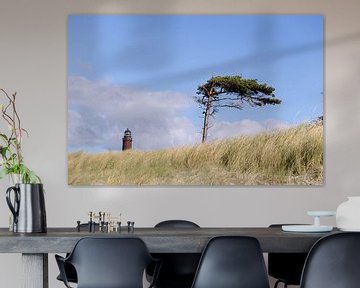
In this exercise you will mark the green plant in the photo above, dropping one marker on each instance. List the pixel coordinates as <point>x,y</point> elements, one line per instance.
<point>11,159</point>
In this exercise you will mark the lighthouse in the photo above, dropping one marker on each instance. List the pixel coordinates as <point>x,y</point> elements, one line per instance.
<point>127,140</point>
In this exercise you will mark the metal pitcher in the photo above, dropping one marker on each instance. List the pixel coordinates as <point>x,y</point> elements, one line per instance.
<point>27,207</point>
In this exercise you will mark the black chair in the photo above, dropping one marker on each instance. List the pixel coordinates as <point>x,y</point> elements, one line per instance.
<point>232,262</point>
<point>286,267</point>
<point>108,263</point>
<point>333,262</point>
<point>69,269</point>
<point>178,269</point>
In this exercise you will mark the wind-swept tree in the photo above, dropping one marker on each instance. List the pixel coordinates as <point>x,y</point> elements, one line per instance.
<point>231,92</point>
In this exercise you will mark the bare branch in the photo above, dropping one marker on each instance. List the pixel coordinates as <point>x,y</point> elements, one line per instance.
<point>230,106</point>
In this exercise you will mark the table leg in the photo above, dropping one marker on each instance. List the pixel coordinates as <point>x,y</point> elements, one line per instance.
<point>35,270</point>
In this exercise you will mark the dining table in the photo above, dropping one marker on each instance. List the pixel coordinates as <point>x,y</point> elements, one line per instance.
<point>35,247</point>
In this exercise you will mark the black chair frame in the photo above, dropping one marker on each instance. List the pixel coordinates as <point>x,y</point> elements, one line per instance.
<point>232,261</point>
<point>178,269</point>
<point>115,262</point>
<point>333,262</point>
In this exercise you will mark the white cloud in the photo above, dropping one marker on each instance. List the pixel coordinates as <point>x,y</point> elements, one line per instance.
<point>99,113</point>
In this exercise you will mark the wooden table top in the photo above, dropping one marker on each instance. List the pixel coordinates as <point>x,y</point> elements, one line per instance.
<point>158,240</point>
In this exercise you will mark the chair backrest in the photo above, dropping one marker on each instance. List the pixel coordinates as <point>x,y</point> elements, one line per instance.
<point>333,262</point>
<point>178,269</point>
<point>176,224</point>
<point>286,267</point>
<point>110,262</point>
<point>232,262</point>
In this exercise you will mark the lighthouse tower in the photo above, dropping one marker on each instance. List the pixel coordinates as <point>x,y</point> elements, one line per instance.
<point>127,140</point>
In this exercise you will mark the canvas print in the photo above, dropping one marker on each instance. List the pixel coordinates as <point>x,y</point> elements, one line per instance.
<point>195,100</point>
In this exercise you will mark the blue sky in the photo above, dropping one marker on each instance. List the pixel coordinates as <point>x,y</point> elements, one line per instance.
<point>143,71</point>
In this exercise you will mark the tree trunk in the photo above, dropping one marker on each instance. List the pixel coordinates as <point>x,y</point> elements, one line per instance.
<point>206,118</point>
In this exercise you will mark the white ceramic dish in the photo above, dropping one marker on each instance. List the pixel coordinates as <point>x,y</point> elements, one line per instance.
<point>306,228</point>
<point>321,213</point>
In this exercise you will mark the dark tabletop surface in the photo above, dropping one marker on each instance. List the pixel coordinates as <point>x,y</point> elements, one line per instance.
<point>158,240</point>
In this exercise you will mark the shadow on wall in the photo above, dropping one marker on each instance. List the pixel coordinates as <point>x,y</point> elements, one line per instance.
<point>267,59</point>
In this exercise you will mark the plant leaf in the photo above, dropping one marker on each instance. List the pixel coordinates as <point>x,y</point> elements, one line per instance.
<point>5,138</point>
<point>4,173</point>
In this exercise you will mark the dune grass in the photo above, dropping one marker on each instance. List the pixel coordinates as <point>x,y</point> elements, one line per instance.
<point>293,156</point>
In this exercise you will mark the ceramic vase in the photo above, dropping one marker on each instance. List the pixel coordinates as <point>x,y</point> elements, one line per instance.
<point>348,214</point>
<point>14,179</point>
<point>27,205</point>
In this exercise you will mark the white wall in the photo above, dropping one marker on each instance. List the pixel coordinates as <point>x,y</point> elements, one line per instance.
<point>33,57</point>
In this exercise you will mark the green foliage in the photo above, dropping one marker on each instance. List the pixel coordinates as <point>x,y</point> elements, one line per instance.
<point>27,176</point>
<point>11,159</point>
<point>232,92</point>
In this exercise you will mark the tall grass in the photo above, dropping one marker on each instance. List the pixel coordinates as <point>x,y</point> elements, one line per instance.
<point>292,156</point>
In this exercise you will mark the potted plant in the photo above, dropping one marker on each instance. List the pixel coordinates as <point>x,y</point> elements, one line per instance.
<point>25,197</point>
<point>11,159</point>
